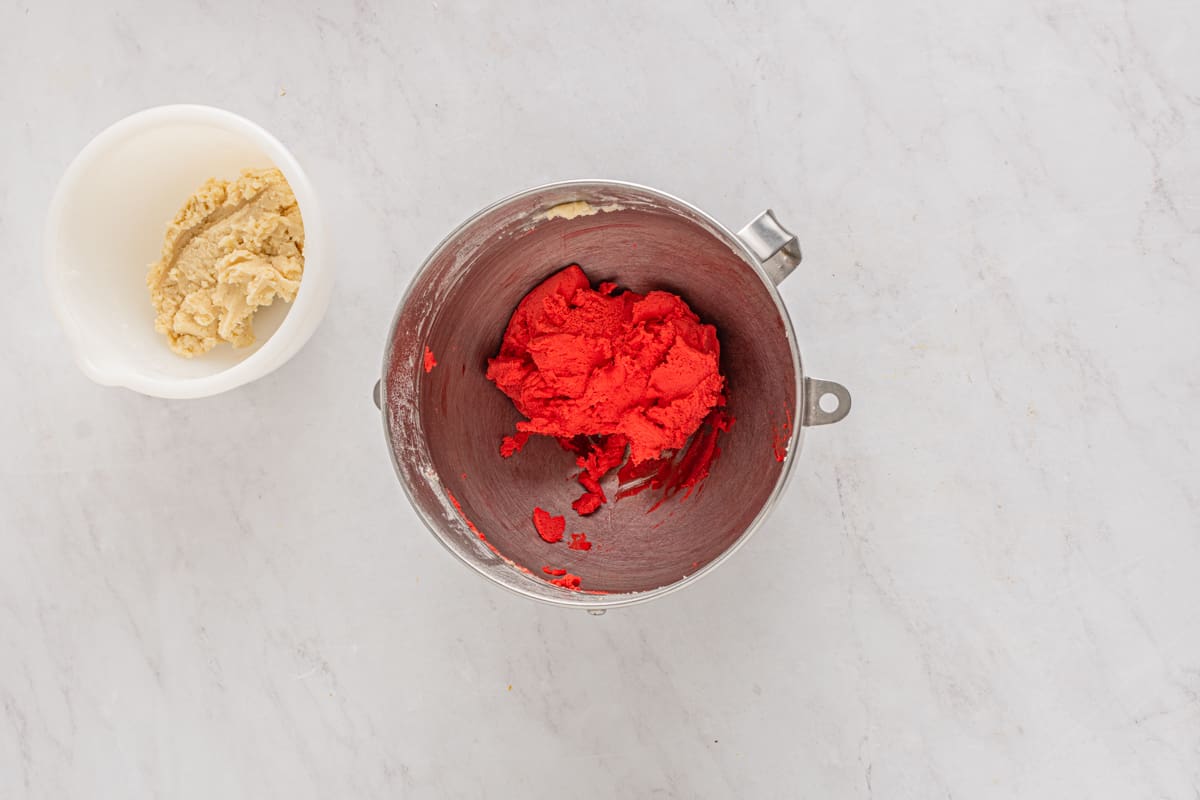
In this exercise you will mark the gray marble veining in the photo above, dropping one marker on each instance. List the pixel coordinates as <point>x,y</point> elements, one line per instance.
<point>982,584</point>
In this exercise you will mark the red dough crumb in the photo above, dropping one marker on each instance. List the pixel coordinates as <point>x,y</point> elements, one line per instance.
<point>552,571</point>
<point>596,463</point>
<point>513,444</point>
<point>608,372</point>
<point>579,541</point>
<point>430,361</point>
<point>588,503</point>
<point>568,581</point>
<point>549,527</point>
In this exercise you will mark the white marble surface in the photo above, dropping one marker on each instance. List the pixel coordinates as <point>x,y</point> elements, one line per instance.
<point>984,583</point>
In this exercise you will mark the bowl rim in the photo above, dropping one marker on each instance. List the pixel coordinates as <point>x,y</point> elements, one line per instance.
<point>279,346</point>
<point>598,603</point>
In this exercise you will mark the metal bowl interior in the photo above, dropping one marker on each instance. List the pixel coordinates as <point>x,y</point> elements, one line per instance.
<point>444,426</point>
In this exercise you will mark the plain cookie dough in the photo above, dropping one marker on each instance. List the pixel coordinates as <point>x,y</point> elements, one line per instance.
<point>234,247</point>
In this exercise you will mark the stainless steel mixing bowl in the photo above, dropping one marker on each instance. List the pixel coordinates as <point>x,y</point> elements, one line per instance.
<point>444,426</point>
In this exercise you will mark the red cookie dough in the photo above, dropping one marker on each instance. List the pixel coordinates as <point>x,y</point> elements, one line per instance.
<point>623,370</point>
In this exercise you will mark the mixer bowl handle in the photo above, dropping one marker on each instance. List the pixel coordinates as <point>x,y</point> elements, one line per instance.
<point>772,244</point>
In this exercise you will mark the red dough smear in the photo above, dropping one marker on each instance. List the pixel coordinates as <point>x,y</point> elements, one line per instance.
<point>579,541</point>
<point>430,361</point>
<point>549,527</point>
<point>471,525</point>
<point>684,471</point>
<point>782,437</point>
<point>458,507</point>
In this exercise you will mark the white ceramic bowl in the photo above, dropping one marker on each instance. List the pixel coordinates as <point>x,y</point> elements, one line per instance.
<point>106,225</point>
